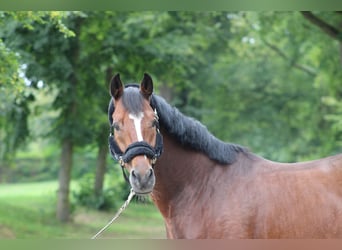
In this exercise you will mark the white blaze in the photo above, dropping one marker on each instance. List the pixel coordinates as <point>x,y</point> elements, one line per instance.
<point>137,124</point>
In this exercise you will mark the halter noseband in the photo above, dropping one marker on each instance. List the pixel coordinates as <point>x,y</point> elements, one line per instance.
<point>136,148</point>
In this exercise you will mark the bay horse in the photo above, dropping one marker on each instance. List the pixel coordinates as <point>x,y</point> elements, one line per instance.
<point>206,188</point>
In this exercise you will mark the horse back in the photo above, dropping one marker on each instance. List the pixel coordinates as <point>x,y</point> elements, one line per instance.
<point>288,200</point>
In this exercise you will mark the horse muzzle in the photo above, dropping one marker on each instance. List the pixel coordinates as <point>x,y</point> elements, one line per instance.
<point>142,179</point>
<point>140,157</point>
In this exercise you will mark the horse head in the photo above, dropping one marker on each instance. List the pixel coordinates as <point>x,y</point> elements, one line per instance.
<point>135,140</point>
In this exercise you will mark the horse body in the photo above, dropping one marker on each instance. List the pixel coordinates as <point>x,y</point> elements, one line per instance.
<point>251,198</point>
<point>205,188</point>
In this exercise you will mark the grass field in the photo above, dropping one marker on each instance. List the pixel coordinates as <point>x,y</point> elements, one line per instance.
<point>27,211</point>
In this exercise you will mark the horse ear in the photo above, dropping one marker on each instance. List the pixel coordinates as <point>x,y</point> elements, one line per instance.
<point>116,87</point>
<point>146,86</point>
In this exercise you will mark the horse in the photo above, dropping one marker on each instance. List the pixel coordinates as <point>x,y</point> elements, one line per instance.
<point>207,188</point>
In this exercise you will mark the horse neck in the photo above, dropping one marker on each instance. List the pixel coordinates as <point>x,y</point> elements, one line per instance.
<point>181,174</point>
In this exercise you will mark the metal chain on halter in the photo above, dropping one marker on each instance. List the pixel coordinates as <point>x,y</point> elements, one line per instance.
<point>130,196</point>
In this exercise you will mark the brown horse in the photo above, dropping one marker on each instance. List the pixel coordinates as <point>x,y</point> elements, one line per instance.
<point>205,188</point>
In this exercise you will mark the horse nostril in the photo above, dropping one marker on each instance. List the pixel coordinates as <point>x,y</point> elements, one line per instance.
<point>150,173</point>
<point>142,178</point>
<point>134,174</point>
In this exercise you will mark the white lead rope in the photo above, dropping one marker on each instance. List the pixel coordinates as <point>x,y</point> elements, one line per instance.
<point>131,194</point>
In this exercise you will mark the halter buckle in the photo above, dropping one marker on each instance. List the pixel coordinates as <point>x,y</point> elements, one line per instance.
<point>121,162</point>
<point>153,160</point>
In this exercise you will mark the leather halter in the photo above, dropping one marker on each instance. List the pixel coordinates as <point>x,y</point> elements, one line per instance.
<point>136,148</point>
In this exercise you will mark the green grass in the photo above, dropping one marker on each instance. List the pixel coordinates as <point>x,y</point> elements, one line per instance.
<point>27,211</point>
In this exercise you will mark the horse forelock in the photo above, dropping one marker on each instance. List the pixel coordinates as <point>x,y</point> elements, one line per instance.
<point>131,99</point>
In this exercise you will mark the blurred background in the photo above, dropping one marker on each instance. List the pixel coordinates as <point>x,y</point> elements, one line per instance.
<point>270,81</point>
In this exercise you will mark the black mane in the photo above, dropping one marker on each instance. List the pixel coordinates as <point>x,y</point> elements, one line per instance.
<point>188,131</point>
<point>192,133</point>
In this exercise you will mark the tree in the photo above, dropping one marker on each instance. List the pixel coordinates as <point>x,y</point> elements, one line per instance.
<point>53,58</point>
<point>275,76</point>
<point>331,25</point>
<point>15,95</point>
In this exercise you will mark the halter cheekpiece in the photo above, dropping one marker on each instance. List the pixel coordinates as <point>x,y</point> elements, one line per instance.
<point>136,148</point>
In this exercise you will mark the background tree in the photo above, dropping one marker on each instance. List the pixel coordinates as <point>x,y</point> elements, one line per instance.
<point>54,59</point>
<point>14,95</point>
<point>273,76</point>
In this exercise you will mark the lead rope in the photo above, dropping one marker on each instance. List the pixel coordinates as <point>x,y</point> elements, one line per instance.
<point>131,194</point>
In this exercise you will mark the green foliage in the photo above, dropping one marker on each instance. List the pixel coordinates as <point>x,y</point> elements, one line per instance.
<point>40,161</point>
<point>13,125</point>
<point>9,75</point>
<point>11,71</point>
<point>31,169</point>
<point>86,197</point>
<point>114,192</point>
<point>28,19</point>
<point>270,85</point>
<point>15,95</point>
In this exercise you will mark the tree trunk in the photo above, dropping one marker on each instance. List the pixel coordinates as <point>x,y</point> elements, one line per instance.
<point>70,111</point>
<point>100,168</point>
<point>63,205</point>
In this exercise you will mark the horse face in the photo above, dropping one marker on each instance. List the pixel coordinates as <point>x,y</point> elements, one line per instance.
<point>134,123</point>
